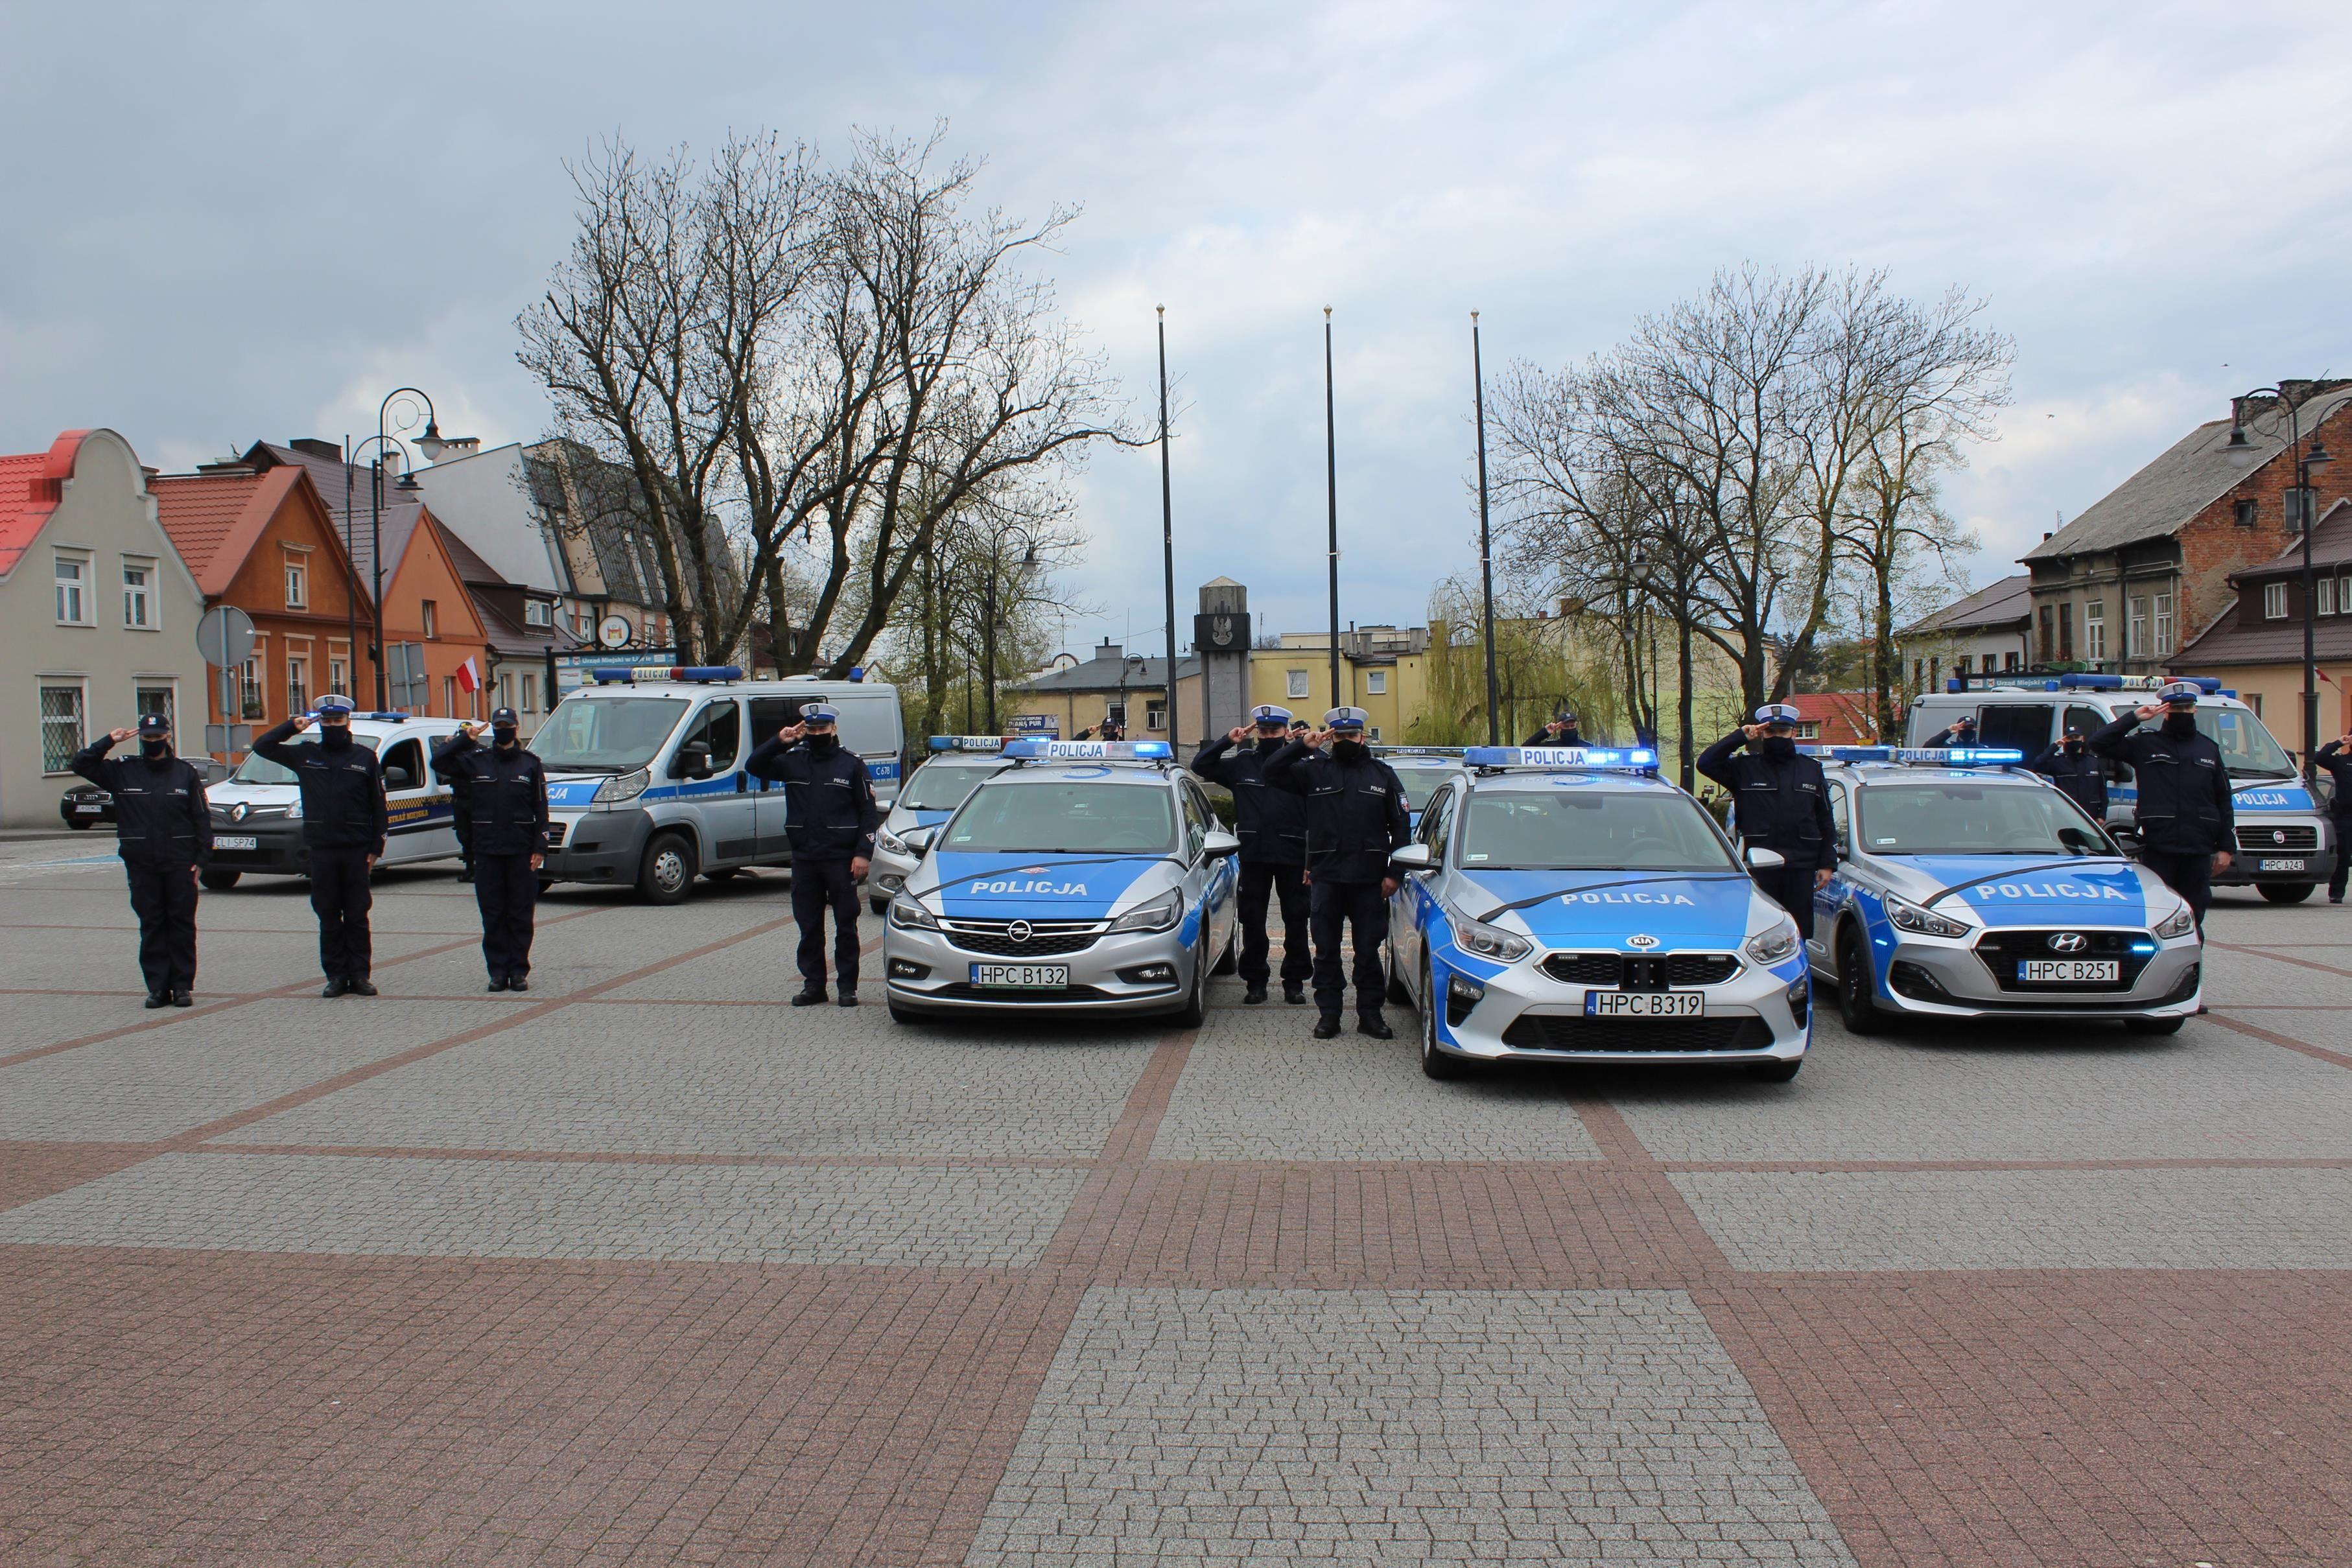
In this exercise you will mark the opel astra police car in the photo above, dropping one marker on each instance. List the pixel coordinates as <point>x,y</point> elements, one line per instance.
<point>1084,876</point>
<point>1567,905</point>
<point>957,764</point>
<point>1968,887</point>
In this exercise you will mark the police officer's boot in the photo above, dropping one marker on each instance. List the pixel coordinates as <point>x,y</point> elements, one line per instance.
<point>336,987</point>
<point>1374,1025</point>
<point>360,987</point>
<point>182,999</point>
<point>847,997</point>
<point>1255,994</point>
<point>808,996</point>
<point>158,999</point>
<point>1328,1027</point>
<point>1295,992</point>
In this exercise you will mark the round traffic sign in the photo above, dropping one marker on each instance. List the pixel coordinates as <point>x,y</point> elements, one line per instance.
<point>225,635</point>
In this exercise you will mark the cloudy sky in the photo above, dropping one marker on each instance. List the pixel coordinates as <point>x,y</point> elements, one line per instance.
<point>229,222</point>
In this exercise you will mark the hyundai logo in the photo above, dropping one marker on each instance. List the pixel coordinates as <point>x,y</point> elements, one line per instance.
<point>2068,942</point>
<point>1643,940</point>
<point>1018,931</point>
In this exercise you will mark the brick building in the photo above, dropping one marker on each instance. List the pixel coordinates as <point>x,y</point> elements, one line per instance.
<point>2146,570</point>
<point>2256,644</point>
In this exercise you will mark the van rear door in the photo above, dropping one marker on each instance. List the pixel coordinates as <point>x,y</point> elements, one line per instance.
<point>2021,726</point>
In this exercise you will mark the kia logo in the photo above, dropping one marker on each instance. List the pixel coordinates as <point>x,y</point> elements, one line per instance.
<point>1641,940</point>
<point>1018,931</point>
<point>2069,942</point>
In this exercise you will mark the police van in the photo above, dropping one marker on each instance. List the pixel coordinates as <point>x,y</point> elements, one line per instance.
<point>1084,876</point>
<point>957,764</point>
<point>1566,904</point>
<point>646,782</point>
<point>257,811</point>
<point>1968,887</point>
<point>2285,844</point>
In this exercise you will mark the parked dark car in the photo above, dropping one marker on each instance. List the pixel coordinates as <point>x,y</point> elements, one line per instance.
<point>85,804</point>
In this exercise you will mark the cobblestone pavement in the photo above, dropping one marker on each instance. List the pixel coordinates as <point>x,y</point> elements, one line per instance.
<point>643,1267</point>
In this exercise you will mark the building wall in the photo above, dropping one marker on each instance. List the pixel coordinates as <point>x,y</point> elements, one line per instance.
<point>104,517</point>
<point>315,634</point>
<point>424,574</point>
<point>2276,692</point>
<point>1392,710</point>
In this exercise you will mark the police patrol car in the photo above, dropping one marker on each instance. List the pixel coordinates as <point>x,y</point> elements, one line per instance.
<point>957,764</point>
<point>1084,876</point>
<point>1565,904</point>
<point>257,811</point>
<point>646,781</point>
<point>1420,769</point>
<point>2286,845</point>
<point>1968,887</point>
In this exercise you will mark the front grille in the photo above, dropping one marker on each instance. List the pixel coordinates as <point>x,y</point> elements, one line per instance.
<point>2271,840</point>
<point>962,992</point>
<point>1585,968</point>
<point>1047,938</point>
<point>1566,1031</point>
<point>2000,952</point>
<point>1608,969</point>
<point>555,832</point>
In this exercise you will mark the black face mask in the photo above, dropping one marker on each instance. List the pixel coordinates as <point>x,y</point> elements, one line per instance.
<point>335,736</point>
<point>2074,747</point>
<point>819,744</point>
<point>1571,736</point>
<point>154,750</point>
<point>2180,726</point>
<point>504,739</point>
<point>1348,751</point>
<point>1780,747</point>
<point>1273,743</point>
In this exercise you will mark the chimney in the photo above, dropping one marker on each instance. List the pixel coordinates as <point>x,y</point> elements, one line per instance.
<point>1111,651</point>
<point>329,450</point>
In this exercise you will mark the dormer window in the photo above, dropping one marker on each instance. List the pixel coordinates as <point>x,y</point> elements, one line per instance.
<point>2274,601</point>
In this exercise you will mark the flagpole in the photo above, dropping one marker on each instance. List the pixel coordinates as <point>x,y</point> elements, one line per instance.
<point>1486,540</point>
<point>1168,546</point>
<point>1331,492</point>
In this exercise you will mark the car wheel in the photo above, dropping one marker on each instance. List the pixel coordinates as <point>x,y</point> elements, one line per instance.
<point>1858,1005</point>
<point>1433,1061</point>
<point>2155,1026</point>
<point>219,881</point>
<point>668,874</point>
<point>1398,995</point>
<point>878,906</point>
<point>2286,892</point>
<point>1195,1011</point>
<point>1775,1071</point>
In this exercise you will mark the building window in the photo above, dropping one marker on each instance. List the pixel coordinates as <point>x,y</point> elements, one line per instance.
<point>337,678</point>
<point>1812,729</point>
<point>2047,619</point>
<point>248,691</point>
<point>1373,732</point>
<point>2323,594</point>
<point>297,684</point>
<point>2163,624</point>
<point>449,696</point>
<point>73,596</point>
<point>1155,716</point>
<point>1116,714</point>
<point>2009,660</point>
<point>431,613</point>
<point>538,613</point>
<point>2254,700</point>
<point>1918,674</point>
<point>2136,628</point>
<point>2296,498</point>
<point>530,694</point>
<point>62,719</point>
<point>1297,679</point>
<point>156,699</point>
<point>2274,601</point>
<point>297,585</point>
<point>2066,632</point>
<point>1376,682</point>
<point>139,595</point>
<point>2243,514</point>
<point>2095,630</point>
<point>505,690</point>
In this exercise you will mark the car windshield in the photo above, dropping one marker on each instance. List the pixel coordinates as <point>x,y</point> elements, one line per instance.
<point>1590,829</point>
<point>1959,819</point>
<point>2247,750</point>
<point>259,769</point>
<point>940,786</point>
<point>1421,781</point>
<point>1067,817</point>
<point>607,734</point>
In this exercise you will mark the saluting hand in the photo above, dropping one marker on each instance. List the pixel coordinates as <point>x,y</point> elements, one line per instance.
<point>1752,731</point>
<point>470,731</point>
<point>791,733</point>
<point>1555,728</point>
<point>1314,739</point>
<point>301,722</point>
<point>119,736</point>
<point>1238,734</point>
<point>2147,710</point>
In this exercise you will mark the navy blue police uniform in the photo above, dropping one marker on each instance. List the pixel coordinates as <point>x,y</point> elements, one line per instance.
<point>830,816</point>
<point>1356,819</point>
<point>1780,801</point>
<point>2337,763</point>
<point>501,794</point>
<point>164,835</point>
<point>343,825</point>
<point>1272,826</point>
<point>1569,733</point>
<point>2079,774</point>
<point>2184,815</point>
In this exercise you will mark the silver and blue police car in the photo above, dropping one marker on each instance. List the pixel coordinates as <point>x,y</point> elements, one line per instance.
<point>958,763</point>
<point>1968,887</point>
<point>1084,876</point>
<point>1568,904</point>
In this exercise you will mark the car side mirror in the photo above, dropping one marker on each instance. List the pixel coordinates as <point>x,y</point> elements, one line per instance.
<point>1218,845</point>
<point>691,761</point>
<point>397,779</point>
<point>1761,859</point>
<point>918,843</point>
<point>1413,857</point>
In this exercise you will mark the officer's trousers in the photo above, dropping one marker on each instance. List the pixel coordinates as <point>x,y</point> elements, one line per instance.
<point>2190,876</point>
<point>506,890</point>
<point>1287,884</point>
<point>1791,887</point>
<point>819,885</point>
<point>1362,905</point>
<point>463,825</point>
<point>165,898</point>
<point>341,897</point>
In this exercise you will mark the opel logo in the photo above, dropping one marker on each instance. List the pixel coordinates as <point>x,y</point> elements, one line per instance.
<point>236,813</point>
<point>2069,942</point>
<point>1018,931</point>
<point>1643,940</point>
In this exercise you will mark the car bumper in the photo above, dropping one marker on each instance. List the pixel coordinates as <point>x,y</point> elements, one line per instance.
<point>2252,867</point>
<point>278,848</point>
<point>927,972</point>
<point>888,873</point>
<point>1521,1014</point>
<point>597,846</point>
<point>71,811</point>
<point>1951,979</point>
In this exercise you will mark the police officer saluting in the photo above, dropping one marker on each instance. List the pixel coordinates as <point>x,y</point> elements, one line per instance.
<point>1780,801</point>
<point>1355,821</point>
<point>164,835</point>
<point>2081,777</point>
<point>343,823</point>
<point>1961,733</point>
<point>502,791</point>
<point>1563,730</point>
<point>830,816</point>
<point>2337,763</point>
<point>2185,816</point>
<point>1273,825</point>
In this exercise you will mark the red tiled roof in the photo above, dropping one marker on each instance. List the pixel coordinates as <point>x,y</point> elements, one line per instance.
<point>1847,712</point>
<point>214,518</point>
<point>31,486</point>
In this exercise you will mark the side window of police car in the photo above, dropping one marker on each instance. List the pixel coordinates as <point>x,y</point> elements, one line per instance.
<point>1437,820</point>
<point>1196,819</point>
<point>721,727</point>
<point>1838,818</point>
<point>409,757</point>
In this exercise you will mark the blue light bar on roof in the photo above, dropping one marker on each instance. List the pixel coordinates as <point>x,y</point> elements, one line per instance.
<point>614,674</point>
<point>1089,750</point>
<point>1450,751</point>
<point>967,743</point>
<point>1940,757</point>
<point>1637,759</point>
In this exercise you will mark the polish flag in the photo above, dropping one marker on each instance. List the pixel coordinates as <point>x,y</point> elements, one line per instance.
<point>469,678</point>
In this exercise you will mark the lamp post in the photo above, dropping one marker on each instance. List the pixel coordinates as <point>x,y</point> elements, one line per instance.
<point>1486,543</point>
<point>2306,460</point>
<point>1331,492</point>
<point>431,444</point>
<point>988,624</point>
<point>1168,541</point>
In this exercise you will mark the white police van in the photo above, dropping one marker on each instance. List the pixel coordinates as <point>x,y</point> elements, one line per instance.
<point>1565,904</point>
<point>646,782</point>
<point>2285,844</point>
<point>257,811</point>
<point>1085,876</point>
<point>958,763</point>
<point>1968,887</point>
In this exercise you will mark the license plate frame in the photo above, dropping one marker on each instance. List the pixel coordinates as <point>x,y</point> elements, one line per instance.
<point>2299,862</point>
<point>86,809</point>
<point>1033,977</point>
<point>235,841</point>
<point>1646,1004</point>
<point>2044,971</point>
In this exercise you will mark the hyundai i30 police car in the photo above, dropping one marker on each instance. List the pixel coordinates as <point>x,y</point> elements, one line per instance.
<point>1968,887</point>
<point>1568,904</point>
<point>1084,876</point>
<point>958,763</point>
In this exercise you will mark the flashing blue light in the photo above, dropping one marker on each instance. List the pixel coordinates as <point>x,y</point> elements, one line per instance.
<point>612,674</point>
<point>1089,750</point>
<point>2143,947</point>
<point>968,743</point>
<point>2089,683</point>
<point>856,672</point>
<point>1613,760</point>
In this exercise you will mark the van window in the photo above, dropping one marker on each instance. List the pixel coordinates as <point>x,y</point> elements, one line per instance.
<point>721,727</point>
<point>2024,726</point>
<point>408,754</point>
<point>608,734</point>
<point>770,714</point>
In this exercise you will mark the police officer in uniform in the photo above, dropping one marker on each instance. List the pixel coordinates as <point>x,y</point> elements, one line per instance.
<point>2081,777</point>
<point>2337,763</point>
<point>502,794</point>
<point>343,823</point>
<point>1563,730</point>
<point>1273,831</point>
<point>1961,733</point>
<point>461,820</point>
<point>1780,801</point>
<point>1106,730</point>
<point>164,835</point>
<point>831,818</point>
<point>1355,819</point>
<point>2185,816</point>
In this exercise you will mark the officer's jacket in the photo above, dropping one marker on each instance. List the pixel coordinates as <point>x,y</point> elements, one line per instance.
<point>1783,806</point>
<point>2337,763</point>
<point>342,790</point>
<point>1270,822</point>
<point>829,809</point>
<point>1545,737</point>
<point>2184,791</point>
<point>2082,778</point>
<point>159,807</point>
<point>503,793</point>
<point>1355,812</point>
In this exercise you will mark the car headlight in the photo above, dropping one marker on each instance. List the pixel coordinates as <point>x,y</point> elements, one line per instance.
<point>622,787</point>
<point>1161,914</point>
<point>889,843</point>
<point>1921,922</point>
<point>1771,945</point>
<point>910,915</point>
<point>2179,923</point>
<point>1482,940</point>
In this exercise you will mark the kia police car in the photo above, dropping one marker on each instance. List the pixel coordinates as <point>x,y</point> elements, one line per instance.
<point>958,764</point>
<point>1565,904</point>
<point>1968,887</point>
<point>1085,876</point>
